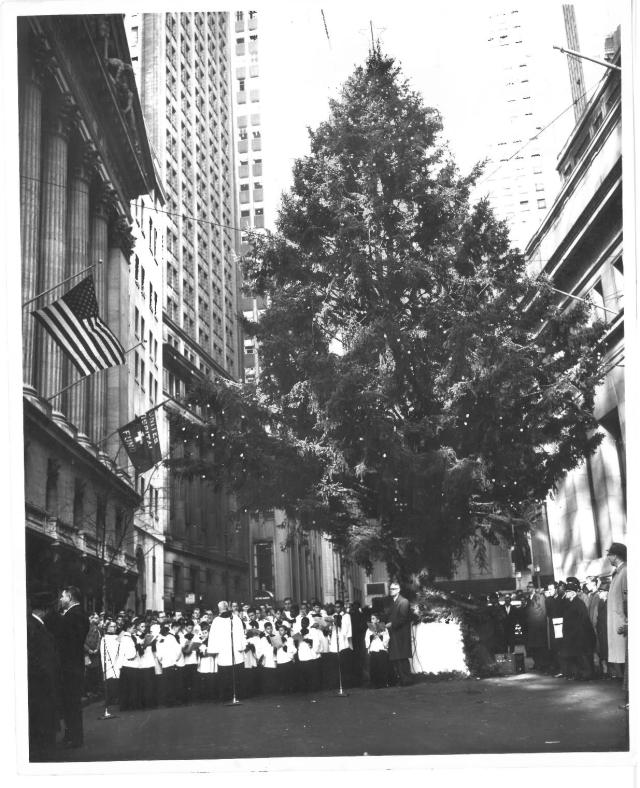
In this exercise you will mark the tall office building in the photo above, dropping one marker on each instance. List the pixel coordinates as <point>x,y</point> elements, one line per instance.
<point>183,63</point>
<point>522,180</point>
<point>284,561</point>
<point>248,134</point>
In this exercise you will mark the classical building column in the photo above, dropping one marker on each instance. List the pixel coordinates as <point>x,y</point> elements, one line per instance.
<point>53,247</point>
<point>82,164</point>
<point>30,108</point>
<point>96,388</point>
<point>119,394</point>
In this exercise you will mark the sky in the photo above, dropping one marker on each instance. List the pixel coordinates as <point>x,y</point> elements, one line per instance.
<point>442,48</point>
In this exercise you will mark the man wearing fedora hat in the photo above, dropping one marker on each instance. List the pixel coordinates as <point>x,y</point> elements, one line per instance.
<point>617,609</point>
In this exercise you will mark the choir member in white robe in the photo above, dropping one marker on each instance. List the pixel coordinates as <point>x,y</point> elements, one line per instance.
<point>207,667</point>
<point>285,657</point>
<point>267,667</point>
<point>110,662</point>
<point>169,650</point>
<point>376,642</point>
<point>128,680</point>
<point>190,645</point>
<point>227,642</point>
<point>309,646</point>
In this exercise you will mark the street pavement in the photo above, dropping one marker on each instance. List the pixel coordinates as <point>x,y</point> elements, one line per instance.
<point>525,713</point>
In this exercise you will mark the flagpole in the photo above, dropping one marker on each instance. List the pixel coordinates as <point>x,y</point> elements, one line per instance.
<point>84,377</point>
<point>64,282</point>
<point>115,432</point>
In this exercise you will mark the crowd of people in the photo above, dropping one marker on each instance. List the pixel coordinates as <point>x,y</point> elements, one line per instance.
<point>571,629</point>
<point>236,651</point>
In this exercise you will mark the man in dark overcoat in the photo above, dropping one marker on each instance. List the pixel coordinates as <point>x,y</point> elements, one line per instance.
<point>42,673</point>
<point>71,630</point>
<point>535,628</point>
<point>578,635</point>
<point>399,627</point>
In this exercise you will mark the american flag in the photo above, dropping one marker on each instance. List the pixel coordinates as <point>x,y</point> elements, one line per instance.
<point>74,323</point>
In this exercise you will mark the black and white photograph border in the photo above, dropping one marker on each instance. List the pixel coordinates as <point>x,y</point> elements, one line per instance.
<point>458,700</point>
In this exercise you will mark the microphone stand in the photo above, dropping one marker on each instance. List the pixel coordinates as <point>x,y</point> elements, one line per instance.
<point>106,715</point>
<point>234,701</point>
<point>340,693</point>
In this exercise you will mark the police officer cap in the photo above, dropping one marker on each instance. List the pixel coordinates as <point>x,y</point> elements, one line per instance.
<point>573,584</point>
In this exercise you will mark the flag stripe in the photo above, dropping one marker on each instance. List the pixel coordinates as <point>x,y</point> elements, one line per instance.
<point>74,323</point>
<point>94,349</point>
<point>100,328</point>
<point>59,332</point>
<point>116,349</point>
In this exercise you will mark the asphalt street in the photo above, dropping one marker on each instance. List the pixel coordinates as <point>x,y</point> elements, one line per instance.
<point>524,713</point>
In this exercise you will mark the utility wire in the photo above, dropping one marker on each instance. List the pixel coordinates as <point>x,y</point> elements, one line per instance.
<point>535,137</point>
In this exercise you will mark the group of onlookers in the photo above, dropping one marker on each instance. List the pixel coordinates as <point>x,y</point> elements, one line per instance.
<point>572,629</point>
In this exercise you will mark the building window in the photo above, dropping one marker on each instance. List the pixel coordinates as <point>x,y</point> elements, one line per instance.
<point>78,504</point>
<point>153,569</point>
<point>263,566</point>
<point>177,578</point>
<point>542,203</point>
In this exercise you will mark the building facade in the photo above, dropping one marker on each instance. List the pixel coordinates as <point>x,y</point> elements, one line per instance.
<point>285,561</point>
<point>146,274</point>
<point>521,179</point>
<point>184,66</point>
<point>579,247</point>
<point>84,156</point>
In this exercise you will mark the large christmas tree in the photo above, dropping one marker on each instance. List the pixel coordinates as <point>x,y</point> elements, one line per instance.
<point>420,389</point>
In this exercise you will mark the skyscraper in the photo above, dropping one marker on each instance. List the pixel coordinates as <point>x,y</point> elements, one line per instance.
<point>248,133</point>
<point>521,180</point>
<point>184,71</point>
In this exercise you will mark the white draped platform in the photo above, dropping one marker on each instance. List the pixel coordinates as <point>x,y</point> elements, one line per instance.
<point>437,648</point>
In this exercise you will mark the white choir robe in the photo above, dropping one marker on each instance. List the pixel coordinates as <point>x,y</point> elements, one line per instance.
<point>169,652</point>
<point>282,656</point>
<point>340,640</point>
<point>207,662</point>
<point>128,653</point>
<point>154,630</point>
<point>220,641</point>
<point>267,651</point>
<point>307,653</point>
<point>323,640</point>
<point>373,643</point>
<point>192,658</point>
<point>110,656</point>
<point>251,659</point>
<point>147,659</point>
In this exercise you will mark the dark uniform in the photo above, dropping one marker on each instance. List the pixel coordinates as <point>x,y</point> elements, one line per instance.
<point>42,675</point>
<point>400,639</point>
<point>71,631</point>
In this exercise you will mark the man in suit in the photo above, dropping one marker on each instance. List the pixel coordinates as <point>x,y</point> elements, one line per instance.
<point>71,631</point>
<point>42,674</point>
<point>399,627</point>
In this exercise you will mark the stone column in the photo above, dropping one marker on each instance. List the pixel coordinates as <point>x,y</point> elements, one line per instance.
<point>53,245</point>
<point>82,163</point>
<point>30,109</point>
<point>101,201</point>
<point>119,396</point>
